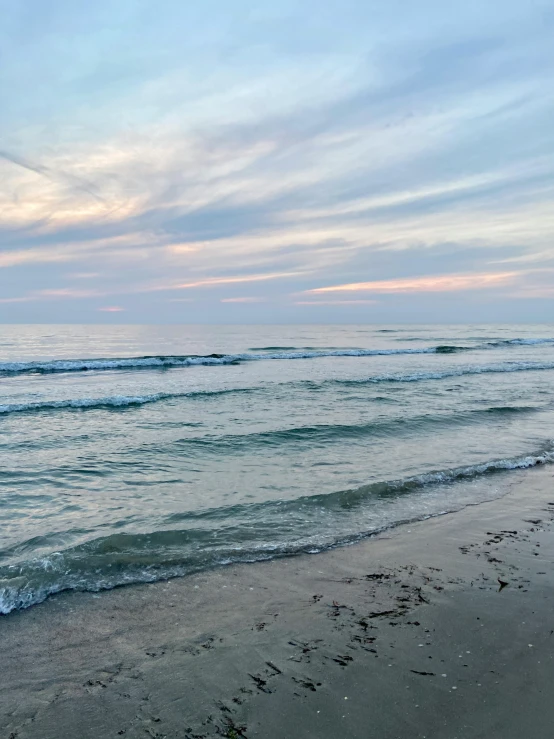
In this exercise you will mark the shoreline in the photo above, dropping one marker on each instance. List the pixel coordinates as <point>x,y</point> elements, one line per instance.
<point>70,577</point>
<point>410,633</point>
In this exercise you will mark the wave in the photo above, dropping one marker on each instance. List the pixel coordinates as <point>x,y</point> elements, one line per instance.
<point>486,342</point>
<point>122,402</point>
<point>209,445</point>
<point>311,435</point>
<point>295,348</point>
<point>117,402</point>
<point>221,536</point>
<point>329,433</point>
<point>256,354</point>
<point>520,342</point>
<point>175,361</point>
<point>115,363</point>
<point>451,349</point>
<point>349,498</point>
<point>452,372</point>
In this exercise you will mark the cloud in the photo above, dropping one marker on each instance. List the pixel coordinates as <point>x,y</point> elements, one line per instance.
<point>20,299</point>
<point>439,283</point>
<point>36,256</point>
<point>231,280</point>
<point>406,151</point>
<point>69,180</point>
<point>241,300</point>
<point>68,292</point>
<point>63,293</point>
<point>335,302</point>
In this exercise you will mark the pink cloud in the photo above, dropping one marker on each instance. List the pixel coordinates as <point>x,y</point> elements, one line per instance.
<point>438,283</point>
<point>241,300</point>
<point>209,281</point>
<point>336,302</point>
<point>68,292</point>
<point>22,299</point>
<point>63,292</point>
<point>83,275</point>
<point>112,309</point>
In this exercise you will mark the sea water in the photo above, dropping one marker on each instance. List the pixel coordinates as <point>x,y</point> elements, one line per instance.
<point>137,453</point>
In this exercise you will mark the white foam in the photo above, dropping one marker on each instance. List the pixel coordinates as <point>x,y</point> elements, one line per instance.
<point>514,463</point>
<point>169,361</point>
<point>84,365</point>
<point>115,401</point>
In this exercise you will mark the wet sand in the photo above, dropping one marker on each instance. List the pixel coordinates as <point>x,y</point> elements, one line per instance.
<point>442,629</point>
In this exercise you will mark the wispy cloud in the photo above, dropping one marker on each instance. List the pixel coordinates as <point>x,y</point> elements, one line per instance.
<point>68,292</point>
<point>232,280</point>
<point>335,302</point>
<point>69,180</point>
<point>380,153</point>
<point>241,300</point>
<point>63,293</point>
<point>19,299</point>
<point>439,283</point>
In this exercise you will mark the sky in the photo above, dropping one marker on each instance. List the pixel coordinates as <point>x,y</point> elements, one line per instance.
<point>253,162</point>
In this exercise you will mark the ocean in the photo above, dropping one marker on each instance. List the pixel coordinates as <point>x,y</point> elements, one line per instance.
<point>137,453</point>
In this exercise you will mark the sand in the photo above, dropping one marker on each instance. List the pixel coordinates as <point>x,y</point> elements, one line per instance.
<point>442,629</point>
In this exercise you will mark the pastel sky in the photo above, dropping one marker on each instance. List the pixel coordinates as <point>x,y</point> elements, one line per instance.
<point>315,161</point>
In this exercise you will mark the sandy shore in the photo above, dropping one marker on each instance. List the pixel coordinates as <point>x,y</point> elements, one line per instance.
<point>439,630</point>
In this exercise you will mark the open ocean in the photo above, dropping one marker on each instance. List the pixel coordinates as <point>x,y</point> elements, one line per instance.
<point>137,453</point>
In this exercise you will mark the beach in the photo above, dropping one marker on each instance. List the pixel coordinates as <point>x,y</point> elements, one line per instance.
<point>276,370</point>
<point>441,629</point>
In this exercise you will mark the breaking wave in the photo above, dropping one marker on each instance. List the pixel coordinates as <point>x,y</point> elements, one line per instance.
<point>121,402</point>
<point>194,541</point>
<point>174,361</point>
<point>257,354</point>
<point>115,402</point>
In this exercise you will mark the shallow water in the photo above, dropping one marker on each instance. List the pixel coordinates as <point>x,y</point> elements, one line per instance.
<point>134,453</point>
